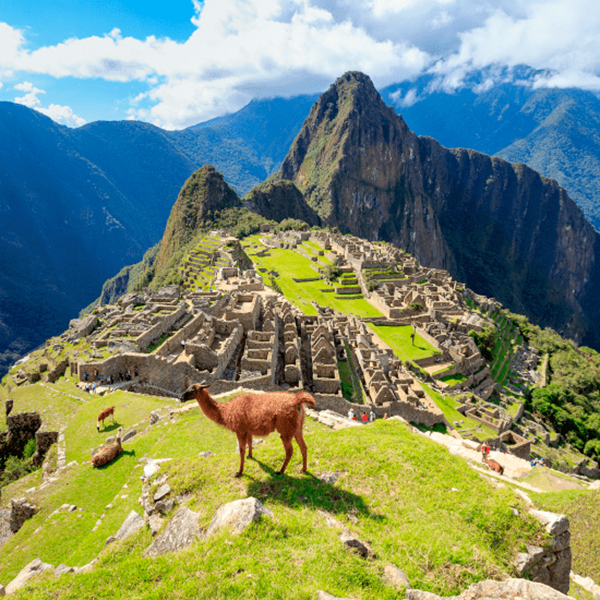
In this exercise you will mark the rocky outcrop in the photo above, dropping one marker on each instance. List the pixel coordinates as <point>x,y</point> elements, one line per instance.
<point>497,590</point>
<point>503,229</point>
<point>238,515</point>
<point>180,532</point>
<point>281,200</point>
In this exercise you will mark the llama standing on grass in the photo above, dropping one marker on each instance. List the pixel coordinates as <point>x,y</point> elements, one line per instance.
<point>107,412</point>
<point>248,415</point>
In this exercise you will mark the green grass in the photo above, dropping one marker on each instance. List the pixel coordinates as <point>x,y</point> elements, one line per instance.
<point>301,294</point>
<point>453,379</point>
<point>346,378</point>
<point>448,406</point>
<point>399,340</point>
<point>395,483</point>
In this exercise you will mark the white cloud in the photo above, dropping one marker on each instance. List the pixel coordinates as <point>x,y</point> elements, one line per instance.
<point>60,114</point>
<point>244,48</point>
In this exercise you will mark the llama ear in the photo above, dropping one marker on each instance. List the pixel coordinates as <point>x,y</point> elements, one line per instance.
<point>203,386</point>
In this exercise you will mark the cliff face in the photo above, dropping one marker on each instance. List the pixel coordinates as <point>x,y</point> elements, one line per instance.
<point>500,227</point>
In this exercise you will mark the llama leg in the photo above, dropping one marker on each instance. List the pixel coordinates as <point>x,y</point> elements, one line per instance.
<point>249,440</point>
<point>302,444</point>
<point>289,450</point>
<point>242,446</point>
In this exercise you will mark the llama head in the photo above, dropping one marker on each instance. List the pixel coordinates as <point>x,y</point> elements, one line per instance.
<point>192,392</point>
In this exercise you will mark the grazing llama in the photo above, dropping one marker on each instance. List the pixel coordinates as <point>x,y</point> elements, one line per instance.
<point>248,415</point>
<point>110,411</point>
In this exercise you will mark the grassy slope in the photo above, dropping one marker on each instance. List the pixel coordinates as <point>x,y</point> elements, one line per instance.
<point>399,340</point>
<point>396,483</point>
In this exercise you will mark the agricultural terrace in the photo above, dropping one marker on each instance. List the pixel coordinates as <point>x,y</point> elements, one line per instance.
<point>290,265</point>
<point>399,340</point>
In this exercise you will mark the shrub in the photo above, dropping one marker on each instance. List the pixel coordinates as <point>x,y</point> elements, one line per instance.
<point>29,448</point>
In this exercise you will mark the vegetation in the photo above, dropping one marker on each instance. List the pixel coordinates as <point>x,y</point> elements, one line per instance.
<point>485,341</point>
<point>442,541</point>
<point>399,340</point>
<point>292,225</point>
<point>571,402</point>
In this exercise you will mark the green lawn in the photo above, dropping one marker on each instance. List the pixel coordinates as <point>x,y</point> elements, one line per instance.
<point>398,339</point>
<point>394,487</point>
<point>453,379</point>
<point>448,406</point>
<point>290,265</point>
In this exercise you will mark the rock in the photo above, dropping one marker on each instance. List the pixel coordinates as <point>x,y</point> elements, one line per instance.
<point>62,570</point>
<point>130,434</point>
<point>396,577</point>
<point>321,595</point>
<point>131,524</point>
<point>238,515</point>
<point>154,417</point>
<point>497,590</point>
<point>206,454</point>
<point>86,568</point>
<point>155,522</point>
<point>162,491</point>
<point>561,542</point>
<point>180,532</point>
<point>35,567</point>
<point>20,511</point>
<point>595,485</point>
<point>330,521</point>
<point>150,468</point>
<point>560,570</point>
<point>356,545</point>
<point>555,524</point>
<point>165,506</point>
<point>523,562</point>
<point>329,478</point>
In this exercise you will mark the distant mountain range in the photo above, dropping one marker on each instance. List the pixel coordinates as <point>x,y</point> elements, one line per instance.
<point>77,205</point>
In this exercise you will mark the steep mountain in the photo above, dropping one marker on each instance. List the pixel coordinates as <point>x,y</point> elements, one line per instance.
<point>500,227</point>
<point>78,205</point>
<point>554,131</point>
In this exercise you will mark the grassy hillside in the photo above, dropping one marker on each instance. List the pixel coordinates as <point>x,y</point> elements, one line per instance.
<point>419,507</point>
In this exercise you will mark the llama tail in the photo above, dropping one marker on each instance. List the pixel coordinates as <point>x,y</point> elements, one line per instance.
<point>304,398</point>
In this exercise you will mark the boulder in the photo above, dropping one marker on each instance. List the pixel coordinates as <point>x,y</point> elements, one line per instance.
<point>321,595</point>
<point>353,543</point>
<point>180,532</point>
<point>497,590</point>
<point>238,515</point>
<point>35,567</point>
<point>162,491</point>
<point>555,524</point>
<point>131,524</point>
<point>62,570</point>
<point>396,577</point>
<point>129,435</point>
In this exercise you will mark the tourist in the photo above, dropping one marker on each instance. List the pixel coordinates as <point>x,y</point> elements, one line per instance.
<point>87,388</point>
<point>135,371</point>
<point>365,418</point>
<point>351,414</point>
<point>85,376</point>
<point>412,338</point>
<point>385,416</point>
<point>372,416</point>
<point>485,451</point>
<point>94,388</point>
<point>95,373</point>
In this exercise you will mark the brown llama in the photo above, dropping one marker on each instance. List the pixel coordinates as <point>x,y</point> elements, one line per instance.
<point>109,452</point>
<point>110,411</point>
<point>494,466</point>
<point>248,415</point>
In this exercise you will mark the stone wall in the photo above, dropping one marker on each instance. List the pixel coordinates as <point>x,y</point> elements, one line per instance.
<point>410,413</point>
<point>173,344</point>
<point>551,565</point>
<point>165,324</point>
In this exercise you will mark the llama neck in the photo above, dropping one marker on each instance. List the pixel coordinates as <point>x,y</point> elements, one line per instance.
<point>209,407</point>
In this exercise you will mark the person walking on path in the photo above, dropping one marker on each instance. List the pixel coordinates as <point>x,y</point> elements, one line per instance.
<point>94,388</point>
<point>372,416</point>
<point>351,414</point>
<point>485,452</point>
<point>412,338</point>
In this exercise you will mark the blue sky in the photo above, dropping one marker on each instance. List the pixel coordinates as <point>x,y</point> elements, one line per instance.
<point>180,62</point>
